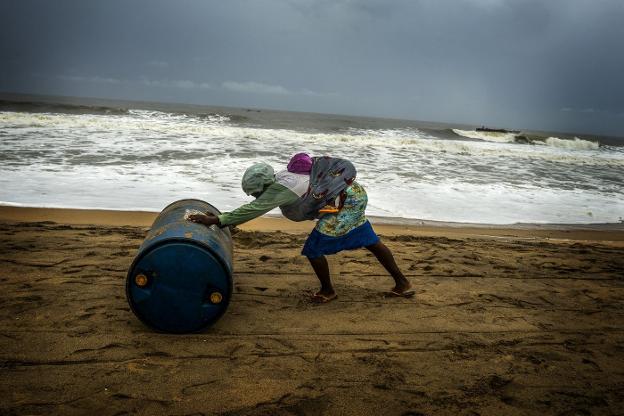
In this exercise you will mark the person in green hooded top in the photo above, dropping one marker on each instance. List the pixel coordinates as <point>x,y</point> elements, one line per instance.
<point>344,229</point>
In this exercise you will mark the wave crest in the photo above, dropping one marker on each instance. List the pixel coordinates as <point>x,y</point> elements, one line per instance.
<point>487,136</point>
<point>576,144</point>
<point>496,137</point>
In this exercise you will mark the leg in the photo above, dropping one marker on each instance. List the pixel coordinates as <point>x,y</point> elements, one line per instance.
<point>321,268</point>
<point>385,257</point>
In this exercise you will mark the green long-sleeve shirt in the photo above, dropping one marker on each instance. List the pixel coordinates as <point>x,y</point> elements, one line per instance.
<point>274,196</point>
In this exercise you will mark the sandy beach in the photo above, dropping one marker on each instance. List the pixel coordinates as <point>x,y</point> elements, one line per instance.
<point>506,321</point>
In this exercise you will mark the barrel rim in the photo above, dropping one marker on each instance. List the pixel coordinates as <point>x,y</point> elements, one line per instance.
<point>189,199</point>
<point>159,243</point>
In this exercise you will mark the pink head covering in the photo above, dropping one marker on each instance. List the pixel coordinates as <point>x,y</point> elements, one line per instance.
<point>300,163</point>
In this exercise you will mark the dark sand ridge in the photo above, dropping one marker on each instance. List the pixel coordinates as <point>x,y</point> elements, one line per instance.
<point>515,323</point>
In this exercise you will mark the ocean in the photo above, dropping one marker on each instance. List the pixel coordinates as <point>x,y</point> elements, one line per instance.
<point>79,153</point>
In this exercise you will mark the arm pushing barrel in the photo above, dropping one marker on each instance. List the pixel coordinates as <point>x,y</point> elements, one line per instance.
<point>272,197</point>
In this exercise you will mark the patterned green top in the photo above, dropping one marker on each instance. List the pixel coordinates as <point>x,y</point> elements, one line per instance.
<point>349,217</point>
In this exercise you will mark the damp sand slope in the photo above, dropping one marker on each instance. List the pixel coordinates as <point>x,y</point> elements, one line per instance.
<point>500,325</point>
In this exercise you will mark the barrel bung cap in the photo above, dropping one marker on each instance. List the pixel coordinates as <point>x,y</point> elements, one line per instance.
<point>141,280</point>
<point>216,297</point>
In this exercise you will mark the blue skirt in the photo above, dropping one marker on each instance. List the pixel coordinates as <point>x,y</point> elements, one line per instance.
<point>319,244</point>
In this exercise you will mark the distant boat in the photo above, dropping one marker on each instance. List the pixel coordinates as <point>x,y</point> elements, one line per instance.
<point>483,128</point>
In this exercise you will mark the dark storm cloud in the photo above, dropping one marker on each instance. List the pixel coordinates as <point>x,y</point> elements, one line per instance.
<point>519,63</point>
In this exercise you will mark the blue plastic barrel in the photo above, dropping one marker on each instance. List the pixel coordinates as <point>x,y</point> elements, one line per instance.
<point>181,279</point>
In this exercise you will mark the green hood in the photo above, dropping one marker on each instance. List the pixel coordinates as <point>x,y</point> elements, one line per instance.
<point>257,177</point>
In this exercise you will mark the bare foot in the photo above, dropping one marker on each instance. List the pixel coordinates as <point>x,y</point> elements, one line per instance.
<point>403,290</point>
<point>322,297</point>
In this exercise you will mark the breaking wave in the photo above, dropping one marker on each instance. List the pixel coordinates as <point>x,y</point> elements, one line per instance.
<point>191,130</point>
<point>576,144</point>
<point>487,136</point>
<point>501,137</point>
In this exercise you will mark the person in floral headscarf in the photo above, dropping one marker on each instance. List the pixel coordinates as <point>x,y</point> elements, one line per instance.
<point>343,228</point>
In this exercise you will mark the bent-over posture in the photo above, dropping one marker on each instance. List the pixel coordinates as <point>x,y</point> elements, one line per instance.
<point>346,229</point>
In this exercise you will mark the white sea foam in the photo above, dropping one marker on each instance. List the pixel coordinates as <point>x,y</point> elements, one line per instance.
<point>146,159</point>
<point>458,201</point>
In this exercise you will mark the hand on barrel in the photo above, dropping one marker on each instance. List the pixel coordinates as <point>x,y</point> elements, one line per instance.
<point>207,219</point>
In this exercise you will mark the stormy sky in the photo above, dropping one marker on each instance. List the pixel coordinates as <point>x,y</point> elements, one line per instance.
<point>530,64</point>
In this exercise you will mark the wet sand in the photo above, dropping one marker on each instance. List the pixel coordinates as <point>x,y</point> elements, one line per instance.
<point>505,322</point>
